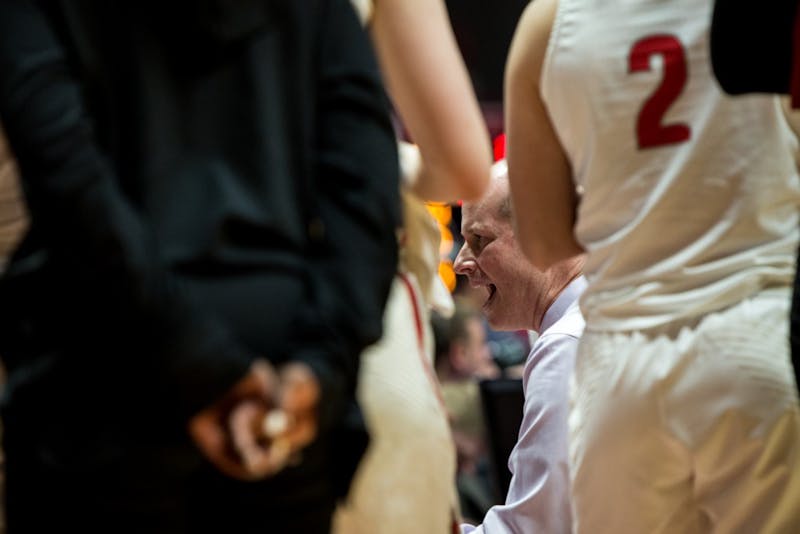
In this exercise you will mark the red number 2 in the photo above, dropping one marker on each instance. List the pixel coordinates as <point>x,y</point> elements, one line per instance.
<point>650,132</point>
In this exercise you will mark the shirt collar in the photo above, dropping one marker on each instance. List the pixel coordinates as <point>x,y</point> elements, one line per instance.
<point>565,299</point>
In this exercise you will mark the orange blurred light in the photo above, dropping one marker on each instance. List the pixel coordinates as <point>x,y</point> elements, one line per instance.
<point>447,274</point>
<point>443,214</point>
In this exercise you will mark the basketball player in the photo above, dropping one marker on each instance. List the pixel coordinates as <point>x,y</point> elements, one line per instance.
<point>685,415</point>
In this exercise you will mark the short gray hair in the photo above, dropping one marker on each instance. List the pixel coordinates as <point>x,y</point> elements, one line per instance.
<point>500,172</point>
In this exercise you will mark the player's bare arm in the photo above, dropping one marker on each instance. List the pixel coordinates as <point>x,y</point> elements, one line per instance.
<point>431,89</point>
<point>542,191</point>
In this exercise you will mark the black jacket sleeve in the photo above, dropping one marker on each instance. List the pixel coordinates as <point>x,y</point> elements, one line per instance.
<point>85,219</point>
<point>356,178</point>
<point>82,216</point>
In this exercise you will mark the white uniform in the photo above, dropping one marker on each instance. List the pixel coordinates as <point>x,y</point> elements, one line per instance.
<point>406,480</point>
<point>685,414</point>
<point>680,227</point>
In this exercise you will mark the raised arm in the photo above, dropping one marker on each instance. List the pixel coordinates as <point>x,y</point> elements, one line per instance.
<point>542,191</point>
<point>430,87</point>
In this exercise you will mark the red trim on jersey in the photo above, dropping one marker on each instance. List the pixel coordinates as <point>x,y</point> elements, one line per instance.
<point>426,364</point>
<point>417,318</point>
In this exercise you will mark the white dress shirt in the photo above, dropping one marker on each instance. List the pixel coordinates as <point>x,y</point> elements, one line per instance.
<point>538,497</point>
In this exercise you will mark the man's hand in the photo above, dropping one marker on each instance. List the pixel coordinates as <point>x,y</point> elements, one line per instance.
<point>209,428</point>
<point>299,397</point>
<point>233,433</point>
<point>268,441</point>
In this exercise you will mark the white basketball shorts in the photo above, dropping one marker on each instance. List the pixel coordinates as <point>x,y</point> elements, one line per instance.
<point>694,431</point>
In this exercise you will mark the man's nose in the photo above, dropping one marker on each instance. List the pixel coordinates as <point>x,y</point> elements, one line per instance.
<point>464,262</point>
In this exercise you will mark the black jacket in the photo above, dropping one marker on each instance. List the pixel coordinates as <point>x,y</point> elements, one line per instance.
<point>170,149</point>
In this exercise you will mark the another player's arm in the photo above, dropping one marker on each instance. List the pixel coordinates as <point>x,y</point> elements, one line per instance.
<point>542,191</point>
<point>430,87</point>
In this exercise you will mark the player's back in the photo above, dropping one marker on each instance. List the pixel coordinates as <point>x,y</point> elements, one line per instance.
<point>690,198</point>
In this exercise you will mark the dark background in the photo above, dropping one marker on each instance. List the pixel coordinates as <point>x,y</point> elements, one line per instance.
<point>483,30</point>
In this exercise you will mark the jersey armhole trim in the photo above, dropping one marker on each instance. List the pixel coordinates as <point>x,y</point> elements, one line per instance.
<point>552,40</point>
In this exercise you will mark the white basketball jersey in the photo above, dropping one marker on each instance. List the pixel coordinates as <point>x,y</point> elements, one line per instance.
<point>689,197</point>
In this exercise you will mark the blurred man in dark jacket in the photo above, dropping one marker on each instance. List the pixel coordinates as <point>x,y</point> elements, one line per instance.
<point>212,188</point>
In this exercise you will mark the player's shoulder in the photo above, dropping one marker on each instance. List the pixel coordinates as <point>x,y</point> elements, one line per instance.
<point>539,14</point>
<point>531,37</point>
<point>537,19</point>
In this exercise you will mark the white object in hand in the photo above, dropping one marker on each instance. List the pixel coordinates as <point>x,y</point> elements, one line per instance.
<point>276,422</point>
<point>410,163</point>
